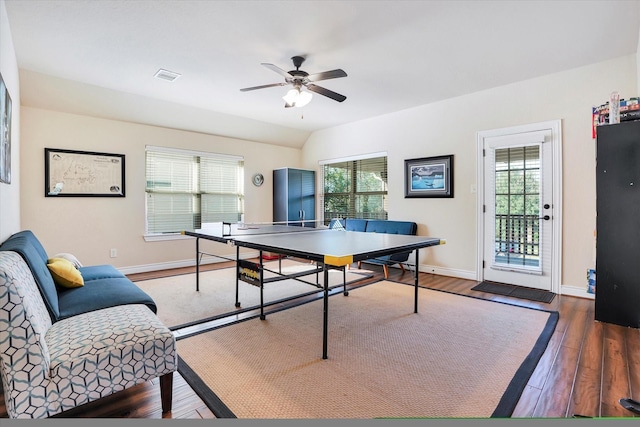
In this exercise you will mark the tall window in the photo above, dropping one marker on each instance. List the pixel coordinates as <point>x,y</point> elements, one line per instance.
<point>355,189</point>
<point>186,188</point>
<point>517,211</point>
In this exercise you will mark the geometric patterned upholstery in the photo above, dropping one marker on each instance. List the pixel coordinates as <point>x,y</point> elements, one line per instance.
<point>49,368</point>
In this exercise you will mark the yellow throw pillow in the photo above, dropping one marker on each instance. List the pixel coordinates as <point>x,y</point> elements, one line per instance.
<point>65,273</point>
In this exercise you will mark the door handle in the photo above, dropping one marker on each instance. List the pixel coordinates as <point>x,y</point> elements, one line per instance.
<point>546,217</point>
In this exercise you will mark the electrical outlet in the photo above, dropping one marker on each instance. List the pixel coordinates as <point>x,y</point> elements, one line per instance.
<point>113,253</point>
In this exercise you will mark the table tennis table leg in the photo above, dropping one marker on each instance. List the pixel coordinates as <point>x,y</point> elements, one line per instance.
<point>415,304</point>
<point>237,277</point>
<point>325,324</point>
<point>197,264</point>
<point>262,316</point>
<point>344,281</point>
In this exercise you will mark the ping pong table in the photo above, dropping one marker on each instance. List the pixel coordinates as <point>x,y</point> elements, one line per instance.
<point>328,248</point>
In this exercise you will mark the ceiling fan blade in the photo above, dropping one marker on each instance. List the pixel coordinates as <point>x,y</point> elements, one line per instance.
<point>333,74</point>
<point>278,70</point>
<point>326,92</point>
<point>262,87</point>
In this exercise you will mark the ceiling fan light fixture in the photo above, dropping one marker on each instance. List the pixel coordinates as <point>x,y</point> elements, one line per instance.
<point>291,97</point>
<point>304,98</point>
<point>297,98</point>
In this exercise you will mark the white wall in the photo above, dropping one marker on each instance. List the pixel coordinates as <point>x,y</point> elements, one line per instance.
<point>450,127</point>
<point>90,226</point>
<point>10,193</point>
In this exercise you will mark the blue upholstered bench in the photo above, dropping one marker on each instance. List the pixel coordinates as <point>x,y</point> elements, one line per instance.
<point>380,226</point>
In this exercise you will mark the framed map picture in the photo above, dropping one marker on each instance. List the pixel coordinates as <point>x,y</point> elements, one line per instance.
<point>70,173</point>
<point>5,133</point>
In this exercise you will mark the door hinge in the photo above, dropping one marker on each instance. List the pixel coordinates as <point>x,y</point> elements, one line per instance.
<point>484,153</point>
<point>484,208</point>
<point>483,264</point>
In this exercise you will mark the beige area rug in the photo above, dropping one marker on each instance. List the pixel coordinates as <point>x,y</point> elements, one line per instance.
<point>179,304</point>
<point>457,357</point>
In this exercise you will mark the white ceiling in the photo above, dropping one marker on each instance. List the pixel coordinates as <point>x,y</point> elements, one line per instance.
<point>99,57</point>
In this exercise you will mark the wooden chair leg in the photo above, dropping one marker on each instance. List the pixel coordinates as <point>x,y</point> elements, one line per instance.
<point>402,267</point>
<point>359,264</point>
<point>386,271</point>
<point>166,391</point>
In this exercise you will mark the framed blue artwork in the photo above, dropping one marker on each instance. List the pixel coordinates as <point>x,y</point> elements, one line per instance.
<point>428,177</point>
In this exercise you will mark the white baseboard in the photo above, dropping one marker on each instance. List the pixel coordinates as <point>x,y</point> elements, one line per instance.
<point>576,291</point>
<point>181,264</point>
<point>451,272</point>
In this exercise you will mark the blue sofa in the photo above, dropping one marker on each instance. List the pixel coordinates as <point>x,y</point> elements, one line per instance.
<point>380,226</point>
<point>104,286</point>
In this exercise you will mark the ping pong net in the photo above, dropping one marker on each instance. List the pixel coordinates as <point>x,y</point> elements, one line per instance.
<point>230,229</point>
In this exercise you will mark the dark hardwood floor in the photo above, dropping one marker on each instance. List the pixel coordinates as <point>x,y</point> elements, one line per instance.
<point>587,367</point>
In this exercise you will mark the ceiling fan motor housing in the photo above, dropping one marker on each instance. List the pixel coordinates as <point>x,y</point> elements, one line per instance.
<point>297,61</point>
<point>298,74</point>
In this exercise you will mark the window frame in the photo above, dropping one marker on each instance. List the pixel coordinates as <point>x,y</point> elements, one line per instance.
<point>198,192</point>
<point>354,193</point>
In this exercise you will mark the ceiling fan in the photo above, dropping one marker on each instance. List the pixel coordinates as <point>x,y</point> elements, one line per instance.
<point>296,97</point>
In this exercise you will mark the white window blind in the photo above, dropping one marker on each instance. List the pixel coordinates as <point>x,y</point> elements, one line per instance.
<point>185,189</point>
<point>355,189</point>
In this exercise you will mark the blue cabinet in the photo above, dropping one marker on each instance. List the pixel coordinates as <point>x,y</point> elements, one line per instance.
<point>294,199</point>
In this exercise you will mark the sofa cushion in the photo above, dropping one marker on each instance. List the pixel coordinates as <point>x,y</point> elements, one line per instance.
<point>355,224</point>
<point>105,271</point>
<point>70,257</point>
<point>101,293</point>
<point>64,273</point>
<point>391,227</point>
<point>27,245</point>
<point>96,354</point>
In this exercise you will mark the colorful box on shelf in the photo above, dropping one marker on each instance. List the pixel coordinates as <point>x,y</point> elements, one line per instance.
<point>629,110</point>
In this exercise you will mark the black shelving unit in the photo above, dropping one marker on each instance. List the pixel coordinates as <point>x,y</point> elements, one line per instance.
<point>617,294</point>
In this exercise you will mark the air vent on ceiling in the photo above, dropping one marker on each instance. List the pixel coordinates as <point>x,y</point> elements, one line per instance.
<point>166,75</point>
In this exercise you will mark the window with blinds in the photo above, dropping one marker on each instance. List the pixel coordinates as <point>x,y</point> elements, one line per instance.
<point>517,206</point>
<point>355,189</point>
<point>185,189</point>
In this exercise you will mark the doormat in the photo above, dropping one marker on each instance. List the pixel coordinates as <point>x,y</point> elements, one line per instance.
<point>515,291</point>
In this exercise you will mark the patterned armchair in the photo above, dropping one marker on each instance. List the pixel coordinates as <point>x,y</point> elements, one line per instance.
<point>48,368</point>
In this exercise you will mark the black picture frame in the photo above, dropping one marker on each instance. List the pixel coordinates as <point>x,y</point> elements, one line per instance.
<point>428,177</point>
<point>71,173</point>
<point>5,133</point>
